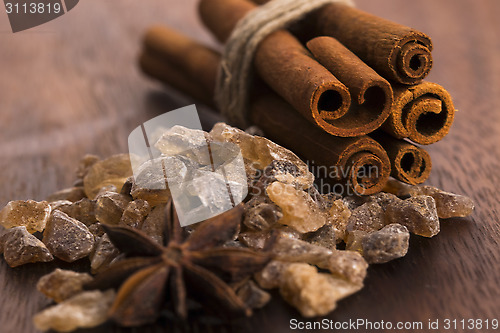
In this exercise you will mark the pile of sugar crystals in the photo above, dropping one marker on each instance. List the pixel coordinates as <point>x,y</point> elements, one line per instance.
<point>322,244</point>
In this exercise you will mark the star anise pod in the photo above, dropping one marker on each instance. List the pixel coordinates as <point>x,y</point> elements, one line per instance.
<point>153,275</point>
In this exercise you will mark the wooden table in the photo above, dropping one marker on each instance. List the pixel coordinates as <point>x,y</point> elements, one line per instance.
<point>72,87</point>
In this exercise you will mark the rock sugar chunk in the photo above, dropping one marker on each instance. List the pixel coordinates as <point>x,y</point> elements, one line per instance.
<point>85,164</point>
<point>83,210</point>
<point>135,213</point>
<point>211,191</point>
<point>300,211</point>
<point>312,293</point>
<point>324,236</point>
<point>103,254</point>
<point>20,247</point>
<point>149,182</point>
<point>180,140</point>
<point>270,276</point>
<point>253,296</point>
<point>261,213</point>
<point>112,171</point>
<point>447,204</point>
<point>62,284</point>
<point>110,207</point>
<point>347,265</point>
<point>85,310</point>
<point>389,243</point>
<point>31,214</point>
<point>71,194</point>
<point>417,213</point>
<point>66,238</point>
<point>264,238</point>
<point>353,240</point>
<point>259,152</point>
<point>155,224</point>
<point>292,249</point>
<point>97,230</point>
<point>282,171</point>
<point>338,217</point>
<point>127,186</point>
<point>367,217</point>
<point>383,199</point>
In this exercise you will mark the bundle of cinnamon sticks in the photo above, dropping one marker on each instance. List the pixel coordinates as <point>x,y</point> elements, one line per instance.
<point>344,91</point>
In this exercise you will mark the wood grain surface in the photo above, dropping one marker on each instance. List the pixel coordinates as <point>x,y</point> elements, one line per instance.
<point>72,87</point>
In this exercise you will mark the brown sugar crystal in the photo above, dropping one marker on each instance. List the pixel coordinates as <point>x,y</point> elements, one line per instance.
<point>85,310</point>
<point>31,214</point>
<point>112,171</point>
<point>447,204</point>
<point>299,209</point>
<point>110,207</point>
<point>62,284</point>
<point>67,238</point>
<point>417,213</point>
<point>20,247</point>
<point>391,242</point>
<point>311,292</point>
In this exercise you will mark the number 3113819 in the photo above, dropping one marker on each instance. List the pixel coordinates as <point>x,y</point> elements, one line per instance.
<point>33,8</point>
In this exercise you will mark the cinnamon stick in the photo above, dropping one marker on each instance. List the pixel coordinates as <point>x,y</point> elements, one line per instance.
<point>422,113</point>
<point>409,163</point>
<point>359,163</point>
<point>371,94</point>
<point>160,56</point>
<point>161,41</point>
<point>285,65</point>
<point>154,66</point>
<point>395,51</point>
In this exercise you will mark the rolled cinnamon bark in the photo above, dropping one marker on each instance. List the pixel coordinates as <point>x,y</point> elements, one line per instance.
<point>359,163</point>
<point>395,51</point>
<point>370,93</point>
<point>159,60</point>
<point>285,65</point>
<point>153,65</point>
<point>422,113</point>
<point>166,42</point>
<point>409,163</point>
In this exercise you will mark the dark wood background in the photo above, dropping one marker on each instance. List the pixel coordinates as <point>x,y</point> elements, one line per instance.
<point>72,87</point>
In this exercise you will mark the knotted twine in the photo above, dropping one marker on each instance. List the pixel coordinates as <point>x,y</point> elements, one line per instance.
<point>235,71</point>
